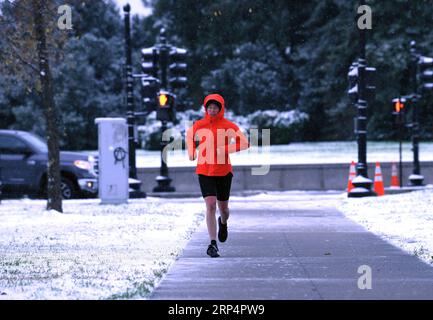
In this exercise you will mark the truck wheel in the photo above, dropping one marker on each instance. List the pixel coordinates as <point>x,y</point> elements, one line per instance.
<point>67,188</point>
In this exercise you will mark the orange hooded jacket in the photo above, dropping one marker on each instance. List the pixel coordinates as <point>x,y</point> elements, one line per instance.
<point>214,135</point>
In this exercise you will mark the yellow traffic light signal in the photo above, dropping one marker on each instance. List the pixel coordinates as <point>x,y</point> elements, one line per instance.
<point>166,106</point>
<point>163,99</point>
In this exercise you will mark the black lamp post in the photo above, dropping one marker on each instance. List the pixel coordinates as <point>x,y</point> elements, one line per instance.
<point>416,179</point>
<point>130,95</point>
<point>362,184</point>
<point>163,179</point>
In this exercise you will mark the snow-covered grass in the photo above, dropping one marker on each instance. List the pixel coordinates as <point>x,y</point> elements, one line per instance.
<point>90,251</point>
<point>296,153</point>
<point>94,251</point>
<point>405,220</point>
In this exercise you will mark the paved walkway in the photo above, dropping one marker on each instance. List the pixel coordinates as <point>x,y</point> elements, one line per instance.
<point>302,248</point>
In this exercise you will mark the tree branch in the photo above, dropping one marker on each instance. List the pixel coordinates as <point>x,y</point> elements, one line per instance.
<point>21,6</point>
<point>24,61</point>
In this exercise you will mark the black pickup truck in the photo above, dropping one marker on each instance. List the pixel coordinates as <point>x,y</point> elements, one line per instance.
<point>23,168</point>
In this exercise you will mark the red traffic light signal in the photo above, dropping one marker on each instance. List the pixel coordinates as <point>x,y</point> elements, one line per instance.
<point>398,104</point>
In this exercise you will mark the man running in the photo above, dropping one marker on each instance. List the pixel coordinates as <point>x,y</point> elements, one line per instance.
<point>214,134</point>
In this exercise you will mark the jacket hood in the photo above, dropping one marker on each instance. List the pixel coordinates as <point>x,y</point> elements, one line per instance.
<point>220,100</point>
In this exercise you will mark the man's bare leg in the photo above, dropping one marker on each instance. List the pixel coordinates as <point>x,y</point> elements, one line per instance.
<point>223,207</point>
<point>210,216</point>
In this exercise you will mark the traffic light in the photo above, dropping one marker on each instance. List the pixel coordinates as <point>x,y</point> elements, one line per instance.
<point>149,61</point>
<point>166,107</point>
<point>426,73</point>
<point>149,93</point>
<point>399,116</point>
<point>398,105</point>
<point>163,100</point>
<point>370,83</point>
<point>352,76</point>
<point>177,68</point>
<point>149,82</point>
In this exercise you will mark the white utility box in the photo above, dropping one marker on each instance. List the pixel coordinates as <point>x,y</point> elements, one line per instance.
<point>113,160</point>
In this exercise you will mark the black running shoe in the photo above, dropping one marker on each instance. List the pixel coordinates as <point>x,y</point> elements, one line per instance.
<point>222,231</point>
<point>212,251</point>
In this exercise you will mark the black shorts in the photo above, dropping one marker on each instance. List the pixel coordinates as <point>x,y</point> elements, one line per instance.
<point>218,186</point>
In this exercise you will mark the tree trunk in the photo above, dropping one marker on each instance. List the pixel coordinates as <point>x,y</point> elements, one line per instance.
<point>53,167</point>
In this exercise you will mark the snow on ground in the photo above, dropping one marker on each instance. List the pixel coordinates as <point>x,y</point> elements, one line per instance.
<point>297,153</point>
<point>94,251</point>
<point>90,251</point>
<point>405,220</point>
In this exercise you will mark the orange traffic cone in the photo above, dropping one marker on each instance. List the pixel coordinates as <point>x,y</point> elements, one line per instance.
<point>352,174</point>
<point>395,182</point>
<point>378,181</point>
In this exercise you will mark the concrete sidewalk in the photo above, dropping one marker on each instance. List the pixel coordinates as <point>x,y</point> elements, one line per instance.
<point>299,249</point>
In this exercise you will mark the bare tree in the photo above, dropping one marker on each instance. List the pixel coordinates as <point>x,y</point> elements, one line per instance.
<point>29,35</point>
<point>50,111</point>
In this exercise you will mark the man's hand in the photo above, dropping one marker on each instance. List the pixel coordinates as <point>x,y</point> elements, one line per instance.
<point>192,157</point>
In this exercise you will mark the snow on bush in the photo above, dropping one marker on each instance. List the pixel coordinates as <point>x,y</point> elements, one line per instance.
<point>284,125</point>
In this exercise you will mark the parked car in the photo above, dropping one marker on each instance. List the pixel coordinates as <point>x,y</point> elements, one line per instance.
<point>23,167</point>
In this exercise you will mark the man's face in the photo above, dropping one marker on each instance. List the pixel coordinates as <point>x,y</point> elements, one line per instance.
<point>212,109</point>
